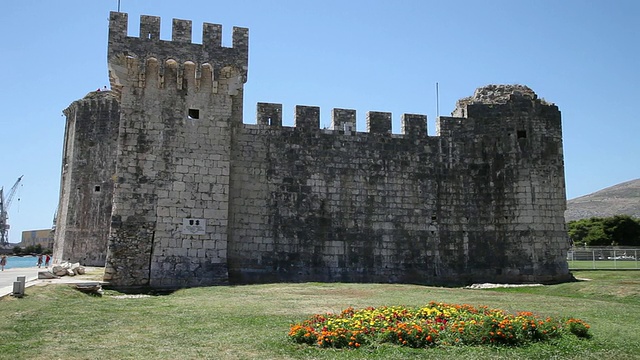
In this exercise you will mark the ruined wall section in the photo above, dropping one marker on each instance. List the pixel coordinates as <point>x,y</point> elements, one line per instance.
<point>88,167</point>
<point>179,101</point>
<point>506,149</point>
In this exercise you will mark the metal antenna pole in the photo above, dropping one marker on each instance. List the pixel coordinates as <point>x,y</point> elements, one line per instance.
<point>118,5</point>
<point>437,100</point>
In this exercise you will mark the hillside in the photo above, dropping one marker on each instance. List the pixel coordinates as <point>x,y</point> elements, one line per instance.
<point>621,199</point>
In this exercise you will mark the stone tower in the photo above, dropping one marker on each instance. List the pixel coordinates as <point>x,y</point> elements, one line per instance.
<point>178,104</point>
<point>88,166</point>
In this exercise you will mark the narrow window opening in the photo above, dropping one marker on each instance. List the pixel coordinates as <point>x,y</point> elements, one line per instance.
<point>149,36</point>
<point>96,188</point>
<point>269,121</point>
<point>434,218</point>
<point>522,134</point>
<point>194,114</point>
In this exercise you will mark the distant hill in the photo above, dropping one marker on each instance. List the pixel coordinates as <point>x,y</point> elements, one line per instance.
<point>621,199</point>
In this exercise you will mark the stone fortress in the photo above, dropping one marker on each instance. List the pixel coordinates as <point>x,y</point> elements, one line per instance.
<point>165,185</point>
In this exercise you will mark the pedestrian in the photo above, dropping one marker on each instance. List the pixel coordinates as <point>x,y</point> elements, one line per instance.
<point>47,260</point>
<point>39,260</point>
<point>3,262</point>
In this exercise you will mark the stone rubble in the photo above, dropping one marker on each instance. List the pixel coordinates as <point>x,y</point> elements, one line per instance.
<point>495,286</point>
<point>63,269</point>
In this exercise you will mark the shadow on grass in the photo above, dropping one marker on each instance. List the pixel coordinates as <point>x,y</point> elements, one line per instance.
<point>140,290</point>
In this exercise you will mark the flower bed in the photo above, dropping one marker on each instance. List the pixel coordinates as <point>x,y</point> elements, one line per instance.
<point>436,324</point>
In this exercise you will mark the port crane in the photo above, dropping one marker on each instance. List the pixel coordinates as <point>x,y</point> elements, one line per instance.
<point>5,203</point>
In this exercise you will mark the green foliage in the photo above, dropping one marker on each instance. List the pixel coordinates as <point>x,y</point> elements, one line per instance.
<point>31,249</point>
<point>623,230</point>
<point>617,230</point>
<point>579,328</point>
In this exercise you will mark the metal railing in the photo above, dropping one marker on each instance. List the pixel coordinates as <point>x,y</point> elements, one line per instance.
<point>613,258</point>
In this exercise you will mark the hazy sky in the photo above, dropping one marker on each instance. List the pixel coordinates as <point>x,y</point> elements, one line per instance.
<point>364,55</point>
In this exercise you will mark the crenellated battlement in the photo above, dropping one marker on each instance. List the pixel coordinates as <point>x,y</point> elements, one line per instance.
<point>181,31</point>
<point>148,59</point>
<point>308,118</point>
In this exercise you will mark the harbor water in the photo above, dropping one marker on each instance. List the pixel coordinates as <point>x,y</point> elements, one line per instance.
<point>21,262</point>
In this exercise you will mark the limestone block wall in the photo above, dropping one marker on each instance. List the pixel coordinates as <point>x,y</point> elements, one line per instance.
<point>88,167</point>
<point>324,205</point>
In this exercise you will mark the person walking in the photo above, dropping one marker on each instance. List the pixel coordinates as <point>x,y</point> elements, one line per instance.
<point>39,260</point>
<point>3,262</point>
<point>47,260</point>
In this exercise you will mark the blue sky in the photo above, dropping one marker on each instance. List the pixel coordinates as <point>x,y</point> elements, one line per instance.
<point>364,55</point>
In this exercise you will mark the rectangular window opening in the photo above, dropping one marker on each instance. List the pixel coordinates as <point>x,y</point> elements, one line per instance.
<point>96,188</point>
<point>194,114</point>
<point>522,134</point>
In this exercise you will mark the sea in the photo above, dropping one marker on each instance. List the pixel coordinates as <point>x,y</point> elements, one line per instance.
<point>21,262</point>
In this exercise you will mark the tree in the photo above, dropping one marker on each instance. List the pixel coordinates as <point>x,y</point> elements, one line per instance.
<point>623,230</point>
<point>617,230</point>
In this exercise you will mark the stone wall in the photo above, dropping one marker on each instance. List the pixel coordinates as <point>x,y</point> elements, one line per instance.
<point>200,198</point>
<point>482,201</point>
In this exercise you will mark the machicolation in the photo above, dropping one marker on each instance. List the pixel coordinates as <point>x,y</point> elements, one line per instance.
<point>165,185</point>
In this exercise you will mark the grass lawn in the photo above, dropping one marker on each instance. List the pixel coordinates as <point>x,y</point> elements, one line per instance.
<point>604,264</point>
<point>251,322</point>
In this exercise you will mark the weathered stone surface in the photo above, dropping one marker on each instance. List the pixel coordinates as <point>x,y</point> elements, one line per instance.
<point>79,270</point>
<point>88,164</point>
<point>198,197</point>
<point>46,275</point>
<point>90,288</point>
<point>59,270</point>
